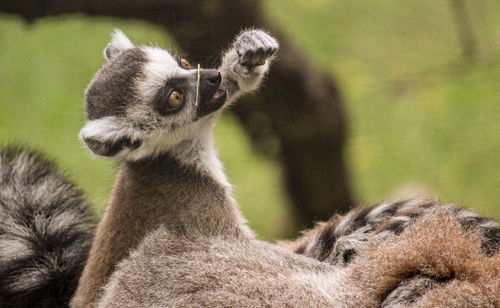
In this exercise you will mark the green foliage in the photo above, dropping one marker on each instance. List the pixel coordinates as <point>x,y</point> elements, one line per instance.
<point>415,113</point>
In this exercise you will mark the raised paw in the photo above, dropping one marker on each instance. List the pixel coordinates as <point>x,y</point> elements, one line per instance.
<point>254,47</point>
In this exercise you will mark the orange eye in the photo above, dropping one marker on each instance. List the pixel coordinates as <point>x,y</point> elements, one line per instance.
<point>174,100</point>
<point>185,64</point>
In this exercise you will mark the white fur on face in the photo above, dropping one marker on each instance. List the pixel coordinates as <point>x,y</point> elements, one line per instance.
<point>192,144</point>
<point>158,70</point>
<point>109,130</point>
<point>160,67</point>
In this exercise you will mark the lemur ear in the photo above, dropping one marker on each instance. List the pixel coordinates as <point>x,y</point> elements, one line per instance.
<point>118,43</point>
<point>109,138</point>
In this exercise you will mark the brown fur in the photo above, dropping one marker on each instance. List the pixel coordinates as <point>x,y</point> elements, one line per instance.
<point>200,253</point>
<point>173,271</point>
<point>147,194</point>
<point>435,247</point>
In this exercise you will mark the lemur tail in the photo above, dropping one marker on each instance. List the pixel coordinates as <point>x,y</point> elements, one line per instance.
<point>46,230</point>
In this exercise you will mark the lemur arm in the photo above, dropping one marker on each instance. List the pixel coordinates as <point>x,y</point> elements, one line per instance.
<point>246,62</point>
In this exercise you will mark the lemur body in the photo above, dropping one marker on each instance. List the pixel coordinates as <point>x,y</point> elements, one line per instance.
<point>142,110</point>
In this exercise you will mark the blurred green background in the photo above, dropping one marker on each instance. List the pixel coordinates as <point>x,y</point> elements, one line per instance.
<point>418,112</point>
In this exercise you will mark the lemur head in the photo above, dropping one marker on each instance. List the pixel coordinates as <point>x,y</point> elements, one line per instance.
<point>144,100</point>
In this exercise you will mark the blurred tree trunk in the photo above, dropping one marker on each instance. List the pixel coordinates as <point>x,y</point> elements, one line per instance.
<point>299,114</point>
<point>464,28</point>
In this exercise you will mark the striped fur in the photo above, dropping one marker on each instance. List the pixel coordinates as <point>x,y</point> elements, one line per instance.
<point>338,240</point>
<point>46,230</point>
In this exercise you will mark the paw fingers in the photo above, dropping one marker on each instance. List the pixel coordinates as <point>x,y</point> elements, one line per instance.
<point>255,47</point>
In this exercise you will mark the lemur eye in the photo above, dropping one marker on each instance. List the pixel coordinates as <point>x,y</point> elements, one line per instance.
<point>185,64</point>
<point>174,100</point>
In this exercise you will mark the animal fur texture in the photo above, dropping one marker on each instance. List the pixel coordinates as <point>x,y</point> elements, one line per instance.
<point>46,229</point>
<point>170,174</point>
<point>434,262</point>
<point>338,240</point>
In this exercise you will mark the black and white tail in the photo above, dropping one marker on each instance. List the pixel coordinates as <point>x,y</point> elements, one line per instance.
<point>337,241</point>
<point>46,230</point>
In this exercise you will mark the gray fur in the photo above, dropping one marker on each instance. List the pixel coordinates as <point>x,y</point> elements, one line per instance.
<point>172,271</point>
<point>119,43</point>
<point>253,48</point>
<point>243,65</point>
<point>46,230</point>
<point>112,88</point>
<point>173,236</point>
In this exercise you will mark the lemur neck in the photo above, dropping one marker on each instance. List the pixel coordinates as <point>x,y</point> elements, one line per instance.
<point>199,153</point>
<point>184,190</point>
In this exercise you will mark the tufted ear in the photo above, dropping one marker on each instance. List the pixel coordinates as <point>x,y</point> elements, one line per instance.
<point>109,137</point>
<point>118,43</point>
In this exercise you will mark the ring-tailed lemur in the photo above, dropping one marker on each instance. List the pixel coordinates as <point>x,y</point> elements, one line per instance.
<point>46,229</point>
<point>155,113</point>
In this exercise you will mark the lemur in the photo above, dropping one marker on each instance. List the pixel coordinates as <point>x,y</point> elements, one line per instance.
<point>155,114</point>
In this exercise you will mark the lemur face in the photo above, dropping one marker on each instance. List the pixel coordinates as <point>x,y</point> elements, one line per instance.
<point>144,99</point>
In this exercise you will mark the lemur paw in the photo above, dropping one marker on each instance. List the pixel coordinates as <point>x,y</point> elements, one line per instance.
<point>254,47</point>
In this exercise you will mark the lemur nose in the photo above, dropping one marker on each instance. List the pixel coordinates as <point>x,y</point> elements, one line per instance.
<point>212,77</point>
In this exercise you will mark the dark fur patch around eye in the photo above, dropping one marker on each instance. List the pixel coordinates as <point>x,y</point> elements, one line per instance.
<point>161,99</point>
<point>111,148</point>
